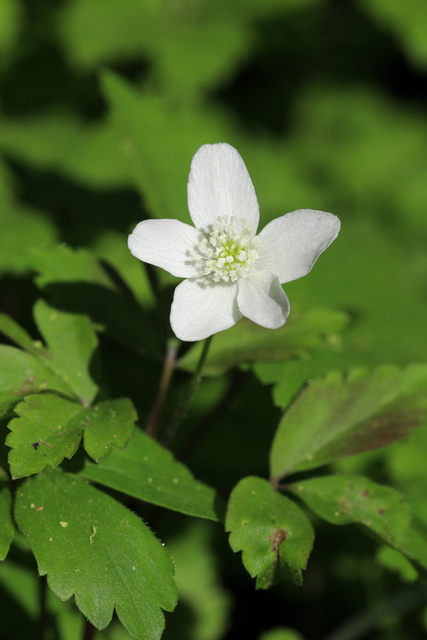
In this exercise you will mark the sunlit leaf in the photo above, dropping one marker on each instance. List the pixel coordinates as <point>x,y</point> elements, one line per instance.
<point>22,374</point>
<point>151,130</point>
<point>274,534</point>
<point>198,39</point>
<point>61,365</point>
<point>62,143</point>
<point>44,434</point>
<point>22,227</point>
<point>148,471</point>
<point>338,417</point>
<point>49,428</point>
<point>92,547</point>
<point>72,343</point>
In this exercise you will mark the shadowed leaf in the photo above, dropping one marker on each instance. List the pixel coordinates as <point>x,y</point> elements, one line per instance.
<point>337,417</point>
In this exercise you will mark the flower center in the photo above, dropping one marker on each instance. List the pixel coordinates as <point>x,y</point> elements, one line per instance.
<point>224,253</point>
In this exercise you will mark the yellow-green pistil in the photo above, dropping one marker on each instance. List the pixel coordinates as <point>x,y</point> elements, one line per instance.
<point>226,254</point>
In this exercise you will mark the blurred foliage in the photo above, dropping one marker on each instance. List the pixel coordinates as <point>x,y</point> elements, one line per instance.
<point>102,105</point>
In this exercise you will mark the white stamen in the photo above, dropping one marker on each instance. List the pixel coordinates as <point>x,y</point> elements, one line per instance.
<point>224,253</point>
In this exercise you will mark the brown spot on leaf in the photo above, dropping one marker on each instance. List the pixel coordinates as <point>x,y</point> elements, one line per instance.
<point>277,537</point>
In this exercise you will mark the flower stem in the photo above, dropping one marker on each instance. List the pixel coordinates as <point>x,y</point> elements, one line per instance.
<point>88,631</point>
<point>181,412</point>
<point>168,369</point>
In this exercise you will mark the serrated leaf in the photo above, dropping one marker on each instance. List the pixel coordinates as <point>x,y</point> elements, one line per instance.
<point>63,365</point>
<point>49,429</point>
<point>72,343</point>
<point>46,432</point>
<point>7,530</point>
<point>274,534</point>
<point>338,417</point>
<point>148,471</point>
<point>92,547</point>
<point>247,342</point>
<point>22,374</point>
<point>110,423</point>
<point>344,499</point>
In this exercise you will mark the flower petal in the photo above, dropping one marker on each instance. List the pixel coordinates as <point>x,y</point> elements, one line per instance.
<point>262,300</point>
<point>200,310</point>
<point>219,185</point>
<point>168,244</point>
<point>291,244</point>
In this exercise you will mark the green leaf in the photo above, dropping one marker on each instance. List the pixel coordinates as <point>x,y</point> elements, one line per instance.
<point>344,499</point>
<point>281,633</point>
<point>22,227</point>
<point>7,530</point>
<point>22,374</point>
<point>408,22</point>
<point>20,595</point>
<point>395,561</point>
<point>111,247</point>
<point>337,417</point>
<point>274,534</point>
<point>248,342</point>
<point>205,40</point>
<point>48,430</point>
<point>158,140</point>
<point>92,547</point>
<point>10,14</point>
<point>110,423</point>
<point>199,583</point>
<point>148,471</point>
<point>76,281</point>
<point>72,343</point>
<point>17,334</point>
<point>70,352</point>
<point>62,143</point>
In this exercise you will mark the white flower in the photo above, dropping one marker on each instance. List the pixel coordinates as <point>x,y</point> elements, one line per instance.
<point>230,271</point>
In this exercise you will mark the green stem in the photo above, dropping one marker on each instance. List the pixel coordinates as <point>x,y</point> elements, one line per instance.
<point>181,412</point>
<point>168,369</point>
